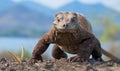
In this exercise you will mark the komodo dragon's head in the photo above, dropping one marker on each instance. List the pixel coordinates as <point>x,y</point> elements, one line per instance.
<point>65,21</point>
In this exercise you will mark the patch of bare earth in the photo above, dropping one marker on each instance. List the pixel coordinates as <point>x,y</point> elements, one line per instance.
<point>58,65</point>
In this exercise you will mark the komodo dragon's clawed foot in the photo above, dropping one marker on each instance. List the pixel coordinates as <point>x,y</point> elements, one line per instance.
<point>77,59</point>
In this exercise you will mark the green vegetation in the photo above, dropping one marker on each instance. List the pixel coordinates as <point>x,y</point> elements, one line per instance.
<point>111,28</point>
<point>112,31</point>
<point>26,53</point>
<point>111,34</point>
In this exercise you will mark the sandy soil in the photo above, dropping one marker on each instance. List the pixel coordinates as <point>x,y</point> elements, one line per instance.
<point>58,65</point>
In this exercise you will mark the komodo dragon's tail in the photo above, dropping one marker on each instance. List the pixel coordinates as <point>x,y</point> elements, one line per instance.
<point>109,55</point>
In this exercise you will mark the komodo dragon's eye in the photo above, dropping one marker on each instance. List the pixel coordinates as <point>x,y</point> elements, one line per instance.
<point>58,19</point>
<point>73,19</point>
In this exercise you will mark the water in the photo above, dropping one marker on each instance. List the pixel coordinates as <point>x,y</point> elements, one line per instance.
<point>15,44</point>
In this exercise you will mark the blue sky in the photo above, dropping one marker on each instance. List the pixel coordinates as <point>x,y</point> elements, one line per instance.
<point>113,4</point>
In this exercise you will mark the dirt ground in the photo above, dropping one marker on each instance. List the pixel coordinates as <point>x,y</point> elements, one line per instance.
<point>58,65</point>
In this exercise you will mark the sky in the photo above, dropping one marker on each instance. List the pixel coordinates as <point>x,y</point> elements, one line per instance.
<point>113,4</point>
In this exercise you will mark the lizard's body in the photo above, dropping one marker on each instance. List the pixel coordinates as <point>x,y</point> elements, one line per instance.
<point>70,33</point>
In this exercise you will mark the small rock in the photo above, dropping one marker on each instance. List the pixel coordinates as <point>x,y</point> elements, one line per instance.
<point>3,60</point>
<point>6,65</point>
<point>3,68</point>
<point>37,64</point>
<point>12,70</point>
<point>49,64</point>
<point>110,63</point>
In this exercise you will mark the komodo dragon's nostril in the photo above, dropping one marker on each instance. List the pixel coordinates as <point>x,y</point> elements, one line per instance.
<point>65,25</point>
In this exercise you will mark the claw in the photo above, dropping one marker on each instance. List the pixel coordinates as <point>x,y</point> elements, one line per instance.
<point>32,61</point>
<point>35,60</point>
<point>77,59</point>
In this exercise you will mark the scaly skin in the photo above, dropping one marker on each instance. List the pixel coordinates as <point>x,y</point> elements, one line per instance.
<point>70,33</point>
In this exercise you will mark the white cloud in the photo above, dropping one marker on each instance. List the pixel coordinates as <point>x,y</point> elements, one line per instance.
<point>53,3</point>
<point>89,1</point>
<point>114,4</point>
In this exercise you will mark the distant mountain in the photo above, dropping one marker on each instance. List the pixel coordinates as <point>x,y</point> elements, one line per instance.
<point>20,20</point>
<point>38,7</point>
<point>89,10</point>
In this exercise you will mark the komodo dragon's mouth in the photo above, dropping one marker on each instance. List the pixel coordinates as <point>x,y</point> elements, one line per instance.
<point>67,29</point>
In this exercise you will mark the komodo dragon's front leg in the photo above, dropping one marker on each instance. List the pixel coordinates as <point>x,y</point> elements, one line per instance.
<point>40,48</point>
